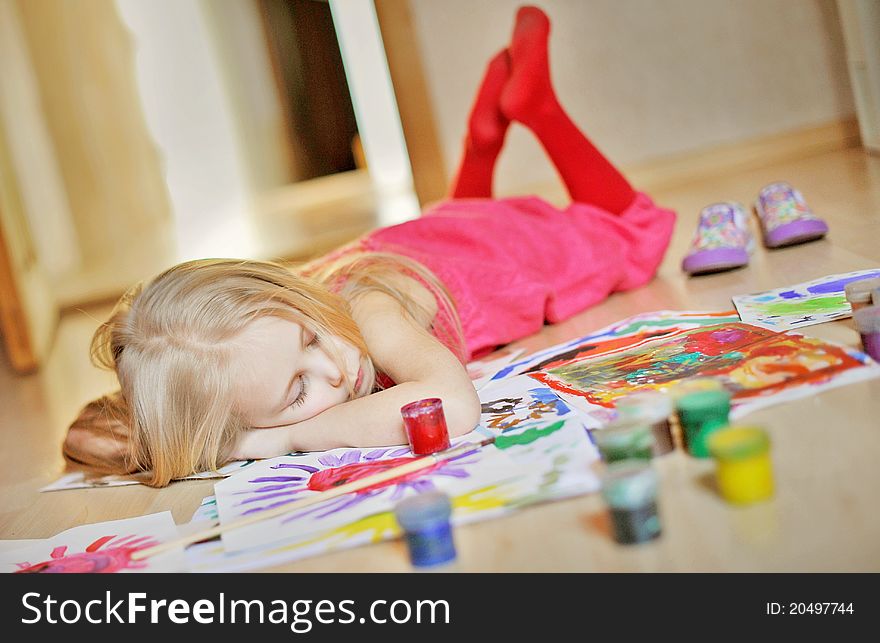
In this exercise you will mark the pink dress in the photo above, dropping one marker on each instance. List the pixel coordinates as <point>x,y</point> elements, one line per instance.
<point>512,264</point>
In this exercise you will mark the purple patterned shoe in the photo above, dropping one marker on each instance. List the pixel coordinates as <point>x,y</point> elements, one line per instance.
<point>785,217</point>
<point>722,240</point>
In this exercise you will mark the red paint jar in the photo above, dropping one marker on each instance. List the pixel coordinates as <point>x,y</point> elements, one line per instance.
<point>425,426</point>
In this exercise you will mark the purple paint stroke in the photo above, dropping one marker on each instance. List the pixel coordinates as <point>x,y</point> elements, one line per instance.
<point>791,294</point>
<point>376,454</point>
<point>271,487</point>
<point>399,491</point>
<point>418,486</point>
<point>304,467</point>
<point>331,504</point>
<point>271,495</point>
<point>277,479</point>
<point>328,509</point>
<point>838,285</point>
<point>464,455</point>
<point>727,336</point>
<point>345,504</point>
<point>349,457</point>
<point>422,486</point>
<point>272,506</point>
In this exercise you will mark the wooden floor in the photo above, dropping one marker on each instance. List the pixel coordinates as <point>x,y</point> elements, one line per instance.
<point>826,448</point>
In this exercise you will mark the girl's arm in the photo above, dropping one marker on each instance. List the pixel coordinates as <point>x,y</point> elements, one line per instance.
<point>421,365</point>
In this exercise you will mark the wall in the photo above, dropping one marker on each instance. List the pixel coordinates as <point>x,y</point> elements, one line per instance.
<point>646,78</point>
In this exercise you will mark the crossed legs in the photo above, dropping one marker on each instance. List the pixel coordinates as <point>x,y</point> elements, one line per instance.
<point>517,87</point>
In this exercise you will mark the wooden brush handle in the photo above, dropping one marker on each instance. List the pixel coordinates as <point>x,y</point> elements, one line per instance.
<point>341,490</point>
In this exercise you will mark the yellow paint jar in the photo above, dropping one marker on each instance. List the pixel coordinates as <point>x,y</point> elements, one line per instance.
<point>744,469</point>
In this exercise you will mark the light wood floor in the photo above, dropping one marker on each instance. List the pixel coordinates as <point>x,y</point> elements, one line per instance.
<point>826,448</point>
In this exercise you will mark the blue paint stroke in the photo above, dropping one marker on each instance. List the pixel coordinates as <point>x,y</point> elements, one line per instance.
<point>547,396</point>
<point>838,285</point>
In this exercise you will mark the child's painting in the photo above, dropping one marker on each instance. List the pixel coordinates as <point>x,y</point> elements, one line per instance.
<point>814,302</point>
<point>481,371</point>
<point>519,400</point>
<point>536,461</point>
<point>206,511</point>
<point>87,480</point>
<point>99,548</point>
<point>626,331</point>
<point>758,366</point>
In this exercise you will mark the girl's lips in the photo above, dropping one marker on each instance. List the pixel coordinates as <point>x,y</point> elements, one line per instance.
<point>360,379</point>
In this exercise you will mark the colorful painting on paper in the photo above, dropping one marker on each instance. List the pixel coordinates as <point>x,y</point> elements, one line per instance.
<point>87,480</point>
<point>99,548</point>
<point>539,460</point>
<point>758,366</point>
<point>630,330</point>
<point>814,302</point>
<point>517,401</point>
<point>206,511</point>
<point>481,371</point>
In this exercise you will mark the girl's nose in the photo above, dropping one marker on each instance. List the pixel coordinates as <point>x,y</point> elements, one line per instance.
<point>331,371</point>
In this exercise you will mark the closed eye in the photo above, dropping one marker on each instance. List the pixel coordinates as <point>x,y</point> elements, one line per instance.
<point>301,398</point>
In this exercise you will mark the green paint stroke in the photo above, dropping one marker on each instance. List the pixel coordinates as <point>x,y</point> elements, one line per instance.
<point>528,436</point>
<point>675,321</point>
<point>817,305</point>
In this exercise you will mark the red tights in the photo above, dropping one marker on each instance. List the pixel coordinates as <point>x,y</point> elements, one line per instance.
<point>517,87</point>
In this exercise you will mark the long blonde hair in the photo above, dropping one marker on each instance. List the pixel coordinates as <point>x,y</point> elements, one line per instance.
<point>169,344</point>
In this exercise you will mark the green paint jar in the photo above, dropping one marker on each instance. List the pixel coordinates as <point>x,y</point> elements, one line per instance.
<point>629,487</point>
<point>701,414</point>
<point>625,440</point>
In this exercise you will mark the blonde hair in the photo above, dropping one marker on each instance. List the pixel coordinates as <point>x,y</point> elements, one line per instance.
<point>170,345</point>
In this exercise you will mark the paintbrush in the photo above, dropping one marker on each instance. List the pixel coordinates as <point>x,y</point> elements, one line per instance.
<point>416,464</point>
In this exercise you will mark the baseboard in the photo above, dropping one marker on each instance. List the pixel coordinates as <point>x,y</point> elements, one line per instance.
<point>699,165</point>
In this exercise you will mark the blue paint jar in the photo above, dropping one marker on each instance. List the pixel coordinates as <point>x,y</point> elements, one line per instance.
<point>425,521</point>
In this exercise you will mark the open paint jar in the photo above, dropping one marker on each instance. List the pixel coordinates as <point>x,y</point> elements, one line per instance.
<point>428,532</point>
<point>625,440</point>
<point>629,487</point>
<point>867,322</point>
<point>858,293</point>
<point>425,426</point>
<point>653,409</point>
<point>702,413</point>
<point>745,472</point>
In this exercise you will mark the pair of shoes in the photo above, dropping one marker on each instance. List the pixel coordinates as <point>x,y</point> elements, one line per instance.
<point>723,240</point>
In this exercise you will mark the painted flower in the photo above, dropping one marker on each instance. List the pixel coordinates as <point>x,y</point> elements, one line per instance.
<point>294,480</point>
<point>96,559</point>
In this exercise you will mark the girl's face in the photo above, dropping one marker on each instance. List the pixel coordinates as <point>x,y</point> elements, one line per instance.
<point>287,376</point>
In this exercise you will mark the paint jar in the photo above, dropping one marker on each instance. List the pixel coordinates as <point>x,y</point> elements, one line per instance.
<point>625,440</point>
<point>425,426</point>
<point>425,521</point>
<point>867,322</point>
<point>702,413</point>
<point>744,470</point>
<point>629,487</point>
<point>858,293</point>
<point>682,388</point>
<point>654,409</point>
